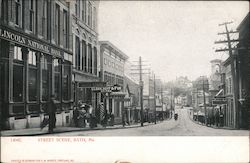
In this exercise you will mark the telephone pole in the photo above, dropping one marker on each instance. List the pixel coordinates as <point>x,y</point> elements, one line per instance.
<point>233,65</point>
<point>154,100</point>
<point>141,86</point>
<point>204,100</point>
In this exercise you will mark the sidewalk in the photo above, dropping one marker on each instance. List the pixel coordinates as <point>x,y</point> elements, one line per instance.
<point>213,126</point>
<point>38,131</point>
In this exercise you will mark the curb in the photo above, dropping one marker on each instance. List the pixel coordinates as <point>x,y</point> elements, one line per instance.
<point>82,129</point>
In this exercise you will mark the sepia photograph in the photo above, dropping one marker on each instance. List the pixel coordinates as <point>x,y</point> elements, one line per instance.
<point>119,78</point>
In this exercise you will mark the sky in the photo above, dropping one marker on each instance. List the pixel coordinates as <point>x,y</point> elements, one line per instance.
<point>174,38</point>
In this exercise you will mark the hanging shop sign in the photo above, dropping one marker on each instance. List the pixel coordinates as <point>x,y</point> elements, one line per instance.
<point>108,89</point>
<point>219,101</point>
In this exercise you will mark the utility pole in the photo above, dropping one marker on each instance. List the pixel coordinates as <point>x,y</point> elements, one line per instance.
<point>162,102</point>
<point>204,100</point>
<point>140,85</point>
<point>154,99</point>
<point>233,65</point>
<point>141,91</point>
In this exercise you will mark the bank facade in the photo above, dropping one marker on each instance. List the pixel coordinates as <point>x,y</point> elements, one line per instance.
<point>35,62</point>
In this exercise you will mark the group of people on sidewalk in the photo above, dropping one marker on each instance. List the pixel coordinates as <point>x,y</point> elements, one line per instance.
<point>83,116</point>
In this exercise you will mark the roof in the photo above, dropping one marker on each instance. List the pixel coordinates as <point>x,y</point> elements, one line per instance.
<point>119,52</point>
<point>245,20</point>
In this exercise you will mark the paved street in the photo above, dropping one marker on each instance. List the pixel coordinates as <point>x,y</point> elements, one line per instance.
<point>184,126</point>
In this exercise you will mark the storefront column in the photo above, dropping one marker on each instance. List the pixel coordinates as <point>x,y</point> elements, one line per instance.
<point>113,106</point>
<point>107,103</point>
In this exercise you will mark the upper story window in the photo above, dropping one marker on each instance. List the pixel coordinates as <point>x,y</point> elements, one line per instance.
<point>84,11</point>
<point>18,12</point>
<point>89,14</point>
<point>77,8</point>
<point>229,85</point>
<point>65,29</point>
<point>57,24</point>
<point>44,17</point>
<point>105,61</point>
<point>32,14</point>
<point>94,18</point>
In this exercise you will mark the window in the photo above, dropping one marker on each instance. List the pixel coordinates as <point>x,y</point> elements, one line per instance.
<point>89,14</point>
<point>65,29</point>
<point>94,18</point>
<point>57,77</point>
<point>84,11</point>
<point>57,24</point>
<point>32,58</point>
<point>32,77</point>
<point>18,12</point>
<point>84,56</point>
<point>89,58</point>
<point>77,53</point>
<point>44,18</point>
<point>105,61</point>
<point>4,10</point>
<point>32,15</point>
<point>77,8</point>
<point>46,72</point>
<point>229,85</point>
<point>66,81</point>
<point>18,53</point>
<point>95,61</point>
<point>18,77</point>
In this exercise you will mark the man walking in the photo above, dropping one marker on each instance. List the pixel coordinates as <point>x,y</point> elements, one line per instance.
<point>52,114</point>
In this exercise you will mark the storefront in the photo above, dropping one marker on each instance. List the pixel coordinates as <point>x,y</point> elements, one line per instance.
<point>32,71</point>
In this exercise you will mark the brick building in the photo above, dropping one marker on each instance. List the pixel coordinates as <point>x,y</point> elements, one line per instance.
<point>35,61</point>
<point>112,61</point>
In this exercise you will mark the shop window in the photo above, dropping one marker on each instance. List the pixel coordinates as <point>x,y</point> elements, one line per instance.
<point>46,72</point>
<point>18,83</point>
<point>66,82</point>
<point>57,76</point>
<point>32,77</point>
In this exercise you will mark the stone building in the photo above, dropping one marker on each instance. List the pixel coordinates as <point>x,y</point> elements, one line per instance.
<point>35,62</point>
<point>86,65</point>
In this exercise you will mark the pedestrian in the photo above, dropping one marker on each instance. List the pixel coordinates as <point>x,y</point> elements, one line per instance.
<point>52,114</point>
<point>75,116</point>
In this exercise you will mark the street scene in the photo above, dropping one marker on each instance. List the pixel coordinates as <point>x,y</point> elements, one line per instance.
<point>124,68</point>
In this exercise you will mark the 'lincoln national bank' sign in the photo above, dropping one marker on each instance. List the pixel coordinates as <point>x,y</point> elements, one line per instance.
<point>11,36</point>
